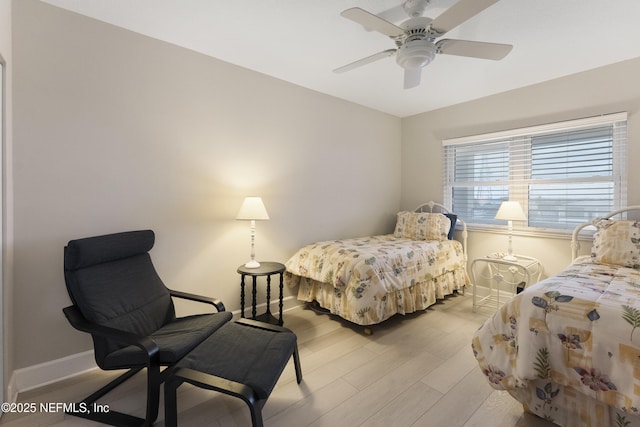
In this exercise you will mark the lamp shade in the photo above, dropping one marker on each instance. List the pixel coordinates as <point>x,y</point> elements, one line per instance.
<point>511,211</point>
<point>252,209</point>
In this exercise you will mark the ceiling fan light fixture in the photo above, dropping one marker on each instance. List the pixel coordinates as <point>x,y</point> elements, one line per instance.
<point>416,54</point>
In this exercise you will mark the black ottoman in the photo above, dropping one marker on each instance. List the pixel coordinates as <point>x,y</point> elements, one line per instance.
<point>243,359</point>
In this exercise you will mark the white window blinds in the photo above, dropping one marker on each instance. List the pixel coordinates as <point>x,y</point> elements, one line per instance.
<point>563,174</point>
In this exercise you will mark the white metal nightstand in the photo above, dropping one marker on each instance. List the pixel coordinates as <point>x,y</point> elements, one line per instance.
<point>503,276</point>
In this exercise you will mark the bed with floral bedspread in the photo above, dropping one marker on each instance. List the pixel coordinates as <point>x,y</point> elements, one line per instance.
<point>369,279</point>
<point>568,347</point>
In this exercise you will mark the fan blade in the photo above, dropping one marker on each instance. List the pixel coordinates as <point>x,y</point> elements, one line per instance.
<point>364,61</point>
<point>372,22</point>
<point>395,14</point>
<point>412,77</point>
<point>495,51</point>
<point>458,13</point>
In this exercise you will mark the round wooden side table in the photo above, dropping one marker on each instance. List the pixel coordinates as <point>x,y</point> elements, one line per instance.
<point>266,269</point>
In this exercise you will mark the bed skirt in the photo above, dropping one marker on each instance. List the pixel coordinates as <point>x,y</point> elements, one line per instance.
<point>567,407</point>
<point>363,311</point>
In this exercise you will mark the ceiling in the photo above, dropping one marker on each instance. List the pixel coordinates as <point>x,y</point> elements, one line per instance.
<point>302,41</point>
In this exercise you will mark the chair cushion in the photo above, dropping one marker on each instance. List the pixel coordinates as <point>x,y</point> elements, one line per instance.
<point>97,250</point>
<point>244,354</point>
<point>125,294</point>
<point>174,340</point>
<point>113,282</point>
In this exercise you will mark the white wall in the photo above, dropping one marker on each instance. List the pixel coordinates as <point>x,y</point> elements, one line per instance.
<point>115,131</point>
<point>605,90</point>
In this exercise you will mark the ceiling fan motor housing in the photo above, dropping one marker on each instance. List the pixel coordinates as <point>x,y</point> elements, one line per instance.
<point>417,50</point>
<point>415,8</point>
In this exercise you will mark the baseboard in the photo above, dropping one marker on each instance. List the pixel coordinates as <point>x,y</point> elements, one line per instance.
<point>288,303</point>
<point>291,302</point>
<point>35,376</point>
<point>12,390</point>
<point>40,375</point>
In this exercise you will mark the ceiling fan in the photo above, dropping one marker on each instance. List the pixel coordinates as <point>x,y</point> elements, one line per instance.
<point>415,38</point>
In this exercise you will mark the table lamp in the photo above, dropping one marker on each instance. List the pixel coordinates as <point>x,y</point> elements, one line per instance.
<point>252,209</point>
<point>510,211</point>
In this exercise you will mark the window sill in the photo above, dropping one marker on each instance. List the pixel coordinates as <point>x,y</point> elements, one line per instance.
<point>531,232</point>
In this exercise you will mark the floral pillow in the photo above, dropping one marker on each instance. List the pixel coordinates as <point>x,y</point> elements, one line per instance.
<point>422,226</point>
<point>616,242</point>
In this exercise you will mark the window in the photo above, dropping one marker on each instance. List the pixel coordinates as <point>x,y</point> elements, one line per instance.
<point>563,174</point>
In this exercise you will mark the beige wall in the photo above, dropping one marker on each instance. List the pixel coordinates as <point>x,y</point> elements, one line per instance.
<point>7,283</point>
<point>605,90</point>
<point>115,131</point>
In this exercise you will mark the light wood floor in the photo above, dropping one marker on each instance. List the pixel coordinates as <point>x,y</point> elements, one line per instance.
<point>415,370</point>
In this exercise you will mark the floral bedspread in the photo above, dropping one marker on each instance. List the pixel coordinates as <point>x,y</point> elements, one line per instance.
<point>578,330</point>
<point>366,280</point>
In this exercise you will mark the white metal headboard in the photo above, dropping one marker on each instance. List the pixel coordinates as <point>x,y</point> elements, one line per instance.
<point>575,244</point>
<point>443,208</point>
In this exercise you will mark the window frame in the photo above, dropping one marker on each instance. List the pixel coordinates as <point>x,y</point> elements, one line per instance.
<point>525,136</point>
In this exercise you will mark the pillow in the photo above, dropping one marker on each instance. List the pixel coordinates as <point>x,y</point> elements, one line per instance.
<point>453,218</point>
<point>422,226</point>
<point>616,242</point>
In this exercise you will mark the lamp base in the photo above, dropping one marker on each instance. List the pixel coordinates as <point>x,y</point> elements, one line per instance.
<point>252,264</point>
<point>509,258</point>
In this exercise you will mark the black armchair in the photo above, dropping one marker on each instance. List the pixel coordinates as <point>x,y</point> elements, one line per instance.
<point>121,301</point>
